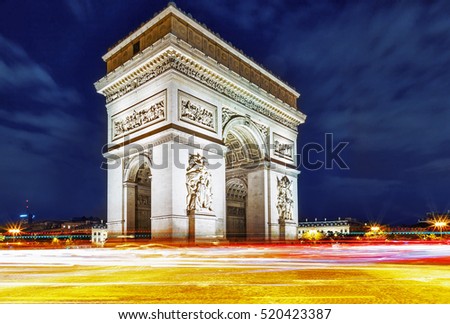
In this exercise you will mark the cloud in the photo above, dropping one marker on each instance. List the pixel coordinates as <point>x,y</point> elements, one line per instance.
<point>21,76</point>
<point>247,15</point>
<point>359,188</point>
<point>434,166</point>
<point>376,74</point>
<point>80,9</point>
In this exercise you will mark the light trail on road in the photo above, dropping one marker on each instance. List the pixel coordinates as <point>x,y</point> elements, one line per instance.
<point>407,273</point>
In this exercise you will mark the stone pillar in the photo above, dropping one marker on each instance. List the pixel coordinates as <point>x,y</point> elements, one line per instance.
<point>169,220</point>
<point>257,202</point>
<point>170,216</point>
<point>116,219</point>
<point>202,226</point>
<point>288,230</point>
<point>191,216</point>
<point>284,205</point>
<point>129,206</point>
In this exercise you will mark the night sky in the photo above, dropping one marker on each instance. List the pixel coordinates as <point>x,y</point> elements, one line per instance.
<point>374,74</point>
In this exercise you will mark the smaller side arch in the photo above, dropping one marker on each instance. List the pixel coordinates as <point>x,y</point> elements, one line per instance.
<point>137,196</point>
<point>131,168</point>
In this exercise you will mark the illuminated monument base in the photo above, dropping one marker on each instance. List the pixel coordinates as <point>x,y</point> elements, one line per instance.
<point>201,138</point>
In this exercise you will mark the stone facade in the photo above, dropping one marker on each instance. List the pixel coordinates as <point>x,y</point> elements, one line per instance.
<point>199,149</point>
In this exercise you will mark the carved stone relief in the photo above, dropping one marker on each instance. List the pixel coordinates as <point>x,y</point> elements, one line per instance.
<point>197,112</point>
<point>227,114</point>
<point>143,175</point>
<point>263,129</point>
<point>198,183</point>
<point>145,114</point>
<point>285,201</point>
<point>143,201</point>
<point>283,147</point>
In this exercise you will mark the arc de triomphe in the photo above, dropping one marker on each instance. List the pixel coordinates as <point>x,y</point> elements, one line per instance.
<point>201,138</point>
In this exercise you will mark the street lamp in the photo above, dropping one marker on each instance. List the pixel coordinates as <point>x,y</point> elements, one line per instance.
<point>440,225</point>
<point>14,232</point>
<point>375,229</point>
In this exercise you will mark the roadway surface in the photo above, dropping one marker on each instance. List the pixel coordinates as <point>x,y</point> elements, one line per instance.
<point>293,274</point>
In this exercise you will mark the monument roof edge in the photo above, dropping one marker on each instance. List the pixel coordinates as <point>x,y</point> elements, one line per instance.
<point>172,9</point>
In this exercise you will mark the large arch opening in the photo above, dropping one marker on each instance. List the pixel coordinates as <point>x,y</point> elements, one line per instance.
<point>137,198</point>
<point>245,147</point>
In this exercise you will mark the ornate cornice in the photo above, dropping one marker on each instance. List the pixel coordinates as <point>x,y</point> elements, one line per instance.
<point>172,59</point>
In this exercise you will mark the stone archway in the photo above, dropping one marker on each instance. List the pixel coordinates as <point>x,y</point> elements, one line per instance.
<point>246,152</point>
<point>171,96</point>
<point>137,197</point>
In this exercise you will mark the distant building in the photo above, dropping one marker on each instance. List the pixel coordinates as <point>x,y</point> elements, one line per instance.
<point>76,225</point>
<point>42,226</point>
<point>99,234</point>
<point>340,226</point>
<point>80,224</point>
<point>26,219</point>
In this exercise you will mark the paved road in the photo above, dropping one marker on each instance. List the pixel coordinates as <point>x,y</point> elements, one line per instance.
<point>258,274</point>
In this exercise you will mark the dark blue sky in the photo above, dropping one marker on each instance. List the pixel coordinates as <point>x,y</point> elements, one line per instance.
<point>375,74</point>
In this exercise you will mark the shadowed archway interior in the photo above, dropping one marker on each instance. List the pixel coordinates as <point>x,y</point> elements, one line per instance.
<point>138,194</point>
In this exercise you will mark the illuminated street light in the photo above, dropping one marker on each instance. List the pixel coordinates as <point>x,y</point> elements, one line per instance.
<point>439,223</point>
<point>375,228</point>
<point>14,231</point>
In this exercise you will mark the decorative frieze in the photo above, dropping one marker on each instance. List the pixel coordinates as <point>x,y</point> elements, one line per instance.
<point>283,147</point>
<point>197,112</point>
<point>213,81</point>
<point>285,201</point>
<point>192,69</point>
<point>163,65</point>
<point>147,113</point>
